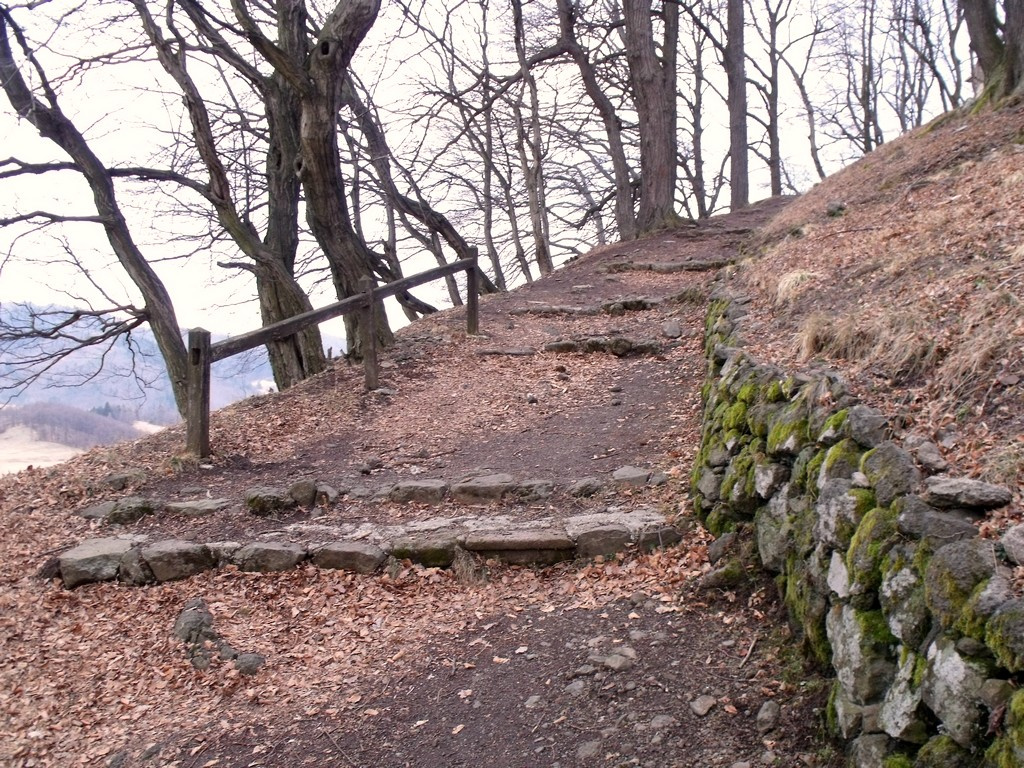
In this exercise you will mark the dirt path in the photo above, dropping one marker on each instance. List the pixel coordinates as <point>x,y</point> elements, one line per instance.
<point>600,664</point>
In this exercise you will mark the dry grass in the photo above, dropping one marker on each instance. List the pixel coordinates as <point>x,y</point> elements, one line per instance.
<point>918,286</point>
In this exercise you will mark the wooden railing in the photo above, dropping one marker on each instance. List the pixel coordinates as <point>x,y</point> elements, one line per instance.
<point>202,354</point>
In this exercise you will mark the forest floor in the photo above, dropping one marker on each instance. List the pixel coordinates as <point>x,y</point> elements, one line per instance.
<point>615,662</point>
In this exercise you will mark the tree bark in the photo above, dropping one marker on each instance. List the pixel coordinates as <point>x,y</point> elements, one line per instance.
<point>736,76</point>
<point>348,257</point>
<point>654,94</point>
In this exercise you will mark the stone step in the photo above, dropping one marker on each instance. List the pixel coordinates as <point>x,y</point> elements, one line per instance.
<point>365,548</point>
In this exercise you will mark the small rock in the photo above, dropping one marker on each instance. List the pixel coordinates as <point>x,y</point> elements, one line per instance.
<point>372,463</point>
<point>588,750</point>
<point>768,716</point>
<point>929,457</point>
<point>631,476</point>
<point>702,705</point>
<point>721,546</point>
<point>584,670</point>
<point>197,508</point>
<point>249,663</point>
<point>662,722</point>
<point>672,329</point>
<point>303,492</point>
<point>533,702</point>
<point>532,399</point>
<point>617,662</point>
<point>588,486</point>
<point>576,688</point>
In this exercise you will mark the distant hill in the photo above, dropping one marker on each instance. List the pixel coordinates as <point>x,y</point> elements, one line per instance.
<point>66,425</point>
<point>126,375</point>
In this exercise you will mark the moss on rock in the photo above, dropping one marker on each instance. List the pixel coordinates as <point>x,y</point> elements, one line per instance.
<point>841,460</point>
<point>735,416</point>
<point>1007,751</point>
<point>1004,635</point>
<point>952,576</point>
<point>874,538</point>
<point>787,433</point>
<point>943,752</point>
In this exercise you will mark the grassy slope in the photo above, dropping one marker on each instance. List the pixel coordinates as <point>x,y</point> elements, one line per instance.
<point>916,290</point>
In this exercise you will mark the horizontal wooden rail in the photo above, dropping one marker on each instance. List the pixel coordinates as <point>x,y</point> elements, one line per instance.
<point>202,354</point>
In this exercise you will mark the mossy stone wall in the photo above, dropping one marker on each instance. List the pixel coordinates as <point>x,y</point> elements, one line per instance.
<point>914,614</point>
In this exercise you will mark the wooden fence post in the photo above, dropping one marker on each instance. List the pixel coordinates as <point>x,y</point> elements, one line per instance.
<point>368,326</point>
<point>197,419</point>
<point>473,295</point>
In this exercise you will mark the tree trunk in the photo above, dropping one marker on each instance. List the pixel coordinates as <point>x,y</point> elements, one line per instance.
<point>624,216</point>
<point>736,76</point>
<point>654,94</point>
<point>347,256</point>
<point>531,163</point>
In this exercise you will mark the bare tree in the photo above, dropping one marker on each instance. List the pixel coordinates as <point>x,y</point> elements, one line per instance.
<point>41,107</point>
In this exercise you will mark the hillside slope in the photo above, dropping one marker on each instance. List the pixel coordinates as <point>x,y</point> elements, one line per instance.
<point>912,292</point>
<point>906,272</point>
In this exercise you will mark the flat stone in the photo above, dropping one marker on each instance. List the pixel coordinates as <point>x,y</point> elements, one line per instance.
<point>631,477</point>
<point>268,556</point>
<point>97,511</point>
<point>540,538</point>
<point>177,559</point>
<point>658,536</point>
<point>602,540</point>
<point>937,527</point>
<point>263,501</point>
<point>587,486</point>
<point>533,490</point>
<point>433,549</point>
<point>92,560</point>
<point>130,509</point>
<point>197,508</point>
<point>484,488</point>
<point>357,556</point>
<point>952,492</point>
<point>422,491</point>
<point>118,481</point>
<point>662,722</point>
<point>672,329</point>
<point>588,750</point>
<point>702,705</point>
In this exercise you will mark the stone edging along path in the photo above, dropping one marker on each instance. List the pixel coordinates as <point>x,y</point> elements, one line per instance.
<point>364,548</point>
